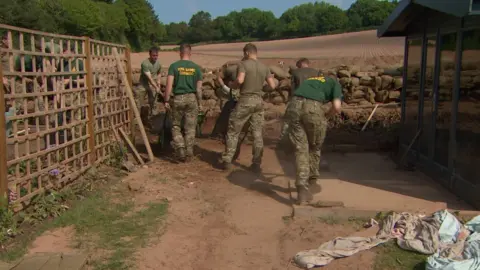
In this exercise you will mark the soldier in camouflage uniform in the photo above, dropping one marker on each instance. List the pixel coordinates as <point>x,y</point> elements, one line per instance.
<point>150,81</point>
<point>251,75</point>
<point>185,82</point>
<point>299,75</point>
<point>308,127</point>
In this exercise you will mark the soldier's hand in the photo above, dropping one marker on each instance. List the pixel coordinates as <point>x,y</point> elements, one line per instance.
<point>167,106</point>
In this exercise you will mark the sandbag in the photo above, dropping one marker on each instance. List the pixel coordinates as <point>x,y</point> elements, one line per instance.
<point>279,72</point>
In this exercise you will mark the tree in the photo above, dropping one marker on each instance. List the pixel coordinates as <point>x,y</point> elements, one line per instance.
<point>371,12</point>
<point>200,28</point>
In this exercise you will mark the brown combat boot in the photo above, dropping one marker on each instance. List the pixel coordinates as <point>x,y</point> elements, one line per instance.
<point>303,195</point>
<point>255,168</point>
<point>181,154</point>
<point>313,186</point>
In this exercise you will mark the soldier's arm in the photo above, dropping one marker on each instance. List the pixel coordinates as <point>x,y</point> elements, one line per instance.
<point>159,78</point>
<point>199,77</point>
<point>337,99</point>
<point>225,89</point>
<point>240,76</point>
<point>168,90</point>
<point>270,80</point>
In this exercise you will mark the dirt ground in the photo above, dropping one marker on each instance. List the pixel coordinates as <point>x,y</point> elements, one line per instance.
<point>359,48</point>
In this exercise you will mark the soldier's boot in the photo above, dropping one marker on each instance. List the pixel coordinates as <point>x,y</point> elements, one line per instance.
<point>313,186</point>
<point>181,154</point>
<point>303,195</point>
<point>189,155</point>
<point>226,166</point>
<point>255,168</point>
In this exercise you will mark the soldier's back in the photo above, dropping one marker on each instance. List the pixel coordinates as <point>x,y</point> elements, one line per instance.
<point>301,74</point>
<point>255,75</point>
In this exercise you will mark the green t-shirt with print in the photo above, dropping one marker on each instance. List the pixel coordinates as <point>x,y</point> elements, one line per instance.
<point>148,66</point>
<point>186,75</point>
<point>323,89</point>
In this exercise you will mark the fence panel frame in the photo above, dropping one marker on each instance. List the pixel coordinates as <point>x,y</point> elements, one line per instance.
<point>85,89</point>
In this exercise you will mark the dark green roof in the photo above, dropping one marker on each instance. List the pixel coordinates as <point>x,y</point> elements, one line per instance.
<point>408,10</point>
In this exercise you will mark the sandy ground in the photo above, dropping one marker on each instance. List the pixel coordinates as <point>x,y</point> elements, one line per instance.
<point>359,48</point>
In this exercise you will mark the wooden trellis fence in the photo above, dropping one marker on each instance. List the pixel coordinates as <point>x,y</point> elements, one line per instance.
<point>62,97</point>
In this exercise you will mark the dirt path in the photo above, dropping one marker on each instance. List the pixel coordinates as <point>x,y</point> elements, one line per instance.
<point>229,221</point>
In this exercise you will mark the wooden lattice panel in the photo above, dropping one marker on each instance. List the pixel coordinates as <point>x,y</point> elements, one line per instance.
<point>111,104</point>
<point>59,95</point>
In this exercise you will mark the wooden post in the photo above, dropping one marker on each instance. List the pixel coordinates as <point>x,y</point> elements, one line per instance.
<point>3,148</point>
<point>91,106</point>
<point>133,105</point>
<point>130,82</point>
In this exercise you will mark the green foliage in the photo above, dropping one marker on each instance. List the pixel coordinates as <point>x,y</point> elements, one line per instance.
<point>135,21</point>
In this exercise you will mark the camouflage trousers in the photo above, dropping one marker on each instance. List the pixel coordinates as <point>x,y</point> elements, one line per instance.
<point>248,108</point>
<point>307,130</point>
<point>146,91</point>
<point>184,106</point>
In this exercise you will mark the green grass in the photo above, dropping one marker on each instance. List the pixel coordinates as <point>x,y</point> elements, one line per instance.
<point>391,257</point>
<point>106,225</point>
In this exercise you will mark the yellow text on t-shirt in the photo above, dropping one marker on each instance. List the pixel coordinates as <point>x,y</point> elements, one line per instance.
<point>186,71</point>
<point>322,79</point>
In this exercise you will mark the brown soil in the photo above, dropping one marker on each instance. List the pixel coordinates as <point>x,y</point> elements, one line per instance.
<point>55,241</point>
<point>359,48</point>
<point>218,220</point>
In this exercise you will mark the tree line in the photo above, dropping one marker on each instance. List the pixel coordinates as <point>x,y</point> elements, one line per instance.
<point>135,22</point>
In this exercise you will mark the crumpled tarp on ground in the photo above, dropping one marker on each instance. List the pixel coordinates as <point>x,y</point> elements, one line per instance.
<point>453,246</point>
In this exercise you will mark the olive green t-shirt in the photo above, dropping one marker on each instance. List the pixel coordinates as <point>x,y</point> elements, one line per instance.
<point>186,75</point>
<point>147,66</point>
<point>255,75</point>
<point>323,89</point>
<point>28,61</point>
<point>299,75</point>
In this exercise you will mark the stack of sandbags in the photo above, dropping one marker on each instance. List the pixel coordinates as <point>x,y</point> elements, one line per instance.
<point>368,85</point>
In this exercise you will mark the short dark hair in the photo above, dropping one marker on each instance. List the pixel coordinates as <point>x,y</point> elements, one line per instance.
<point>184,48</point>
<point>302,61</point>
<point>154,49</point>
<point>250,48</point>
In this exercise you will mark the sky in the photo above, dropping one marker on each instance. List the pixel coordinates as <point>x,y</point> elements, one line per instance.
<point>181,10</point>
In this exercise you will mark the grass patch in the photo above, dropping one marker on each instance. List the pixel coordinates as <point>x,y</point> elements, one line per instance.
<point>106,224</point>
<point>113,227</point>
<point>390,256</point>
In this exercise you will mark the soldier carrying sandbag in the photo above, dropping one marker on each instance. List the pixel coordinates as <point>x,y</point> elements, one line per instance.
<point>251,75</point>
<point>185,82</point>
<point>307,121</point>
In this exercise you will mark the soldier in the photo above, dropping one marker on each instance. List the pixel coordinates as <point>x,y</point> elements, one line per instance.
<point>299,75</point>
<point>185,81</point>
<point>308,126</point>
<point>251,76</point>
<point>150,78</point>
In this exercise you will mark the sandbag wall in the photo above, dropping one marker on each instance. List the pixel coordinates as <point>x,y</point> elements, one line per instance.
<point>361,86</point>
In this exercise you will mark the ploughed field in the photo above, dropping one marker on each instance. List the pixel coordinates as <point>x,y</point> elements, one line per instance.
<point>358,48</point>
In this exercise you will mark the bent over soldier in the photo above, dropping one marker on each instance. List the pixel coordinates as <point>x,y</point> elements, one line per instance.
<point>185,81</point>
<point>308,127</point>
<point>251,75</point>
<point>299,75</point>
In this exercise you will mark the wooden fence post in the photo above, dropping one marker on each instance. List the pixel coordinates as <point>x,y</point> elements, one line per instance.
<point>130,82</point>
<point>91,105</point>
<point>3,148</point>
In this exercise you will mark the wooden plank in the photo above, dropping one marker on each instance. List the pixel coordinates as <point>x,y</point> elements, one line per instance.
<point>90,108</point>
<point>130,82</point>
<point>133,105</point>
<point>132,147</point>
<point>3,148</point>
